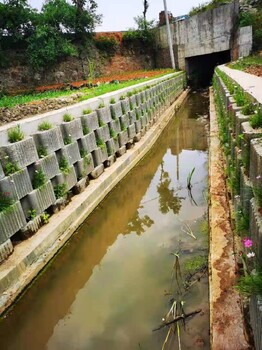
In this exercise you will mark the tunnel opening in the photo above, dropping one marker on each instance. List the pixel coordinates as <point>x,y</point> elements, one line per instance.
<point>200,68</point>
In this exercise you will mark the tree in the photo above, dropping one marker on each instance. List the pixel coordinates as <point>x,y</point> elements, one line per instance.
<point>17,19</point>
<point>146,6</point>
<point>85,19</point>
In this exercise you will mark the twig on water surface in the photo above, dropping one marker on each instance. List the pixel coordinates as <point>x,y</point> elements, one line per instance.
<point>178,318</point>
<point>189,178</point>
<point>187,229</point>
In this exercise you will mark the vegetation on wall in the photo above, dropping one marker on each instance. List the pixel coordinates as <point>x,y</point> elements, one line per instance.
<point>254,19</point>
<point>208,6</point>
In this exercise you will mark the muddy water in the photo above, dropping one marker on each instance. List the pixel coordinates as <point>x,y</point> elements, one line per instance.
<point>112,283</point>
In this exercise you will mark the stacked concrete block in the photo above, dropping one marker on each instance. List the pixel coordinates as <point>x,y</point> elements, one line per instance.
<point>67,155</point>
<point>22,153</point>
<point>256,319</point>
<point>72,129</point>
<point>11,221</point>
<point>116,110</point>
<point>50,140</point>
<point>72,153</point>
<point>6,249</point>
<point>255,169</point>
<point>16,185</point>
<point>125,105</point>
<point>40,199</point>
<point>49,166</point>
<point>90,121</point>
<point>104,115</point>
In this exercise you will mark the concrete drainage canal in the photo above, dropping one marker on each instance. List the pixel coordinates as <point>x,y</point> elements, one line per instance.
<point>137,262</point>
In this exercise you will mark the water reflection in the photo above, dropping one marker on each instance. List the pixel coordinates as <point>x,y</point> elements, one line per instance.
<point>105,290</point>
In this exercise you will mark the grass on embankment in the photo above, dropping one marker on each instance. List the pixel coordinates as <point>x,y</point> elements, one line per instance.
<point>246,62</point>
<point>12,101</point>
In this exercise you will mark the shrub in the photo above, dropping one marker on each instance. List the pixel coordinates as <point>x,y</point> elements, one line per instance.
<point>10,168</point>
<point>112,101</point>
<point>45,218</point>
<point>67,118</point>
<point>64,166</point>
<point>15,134</point>
<point>248,109</point>
<point>256,119</point>
<point>45,126</point>
<point>42,152</point>
<point>87,111</point>
<point>32,214</point>
<point>107,44</point>
<point>100,143</point>
<point>5,202</point>
<point>60,190</point>
<point>39,179</point>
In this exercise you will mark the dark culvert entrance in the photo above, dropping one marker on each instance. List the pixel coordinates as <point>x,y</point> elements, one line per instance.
<point>200,69</point>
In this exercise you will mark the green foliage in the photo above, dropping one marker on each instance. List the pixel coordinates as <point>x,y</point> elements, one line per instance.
<point>15,134</point>
<point>240,97</point>
<point>64,166</point>
<point>100,143</point>
<point>5,202</point>
<point>46,46</point>
<point>258,195</point>
<point>122,97</point>
<point>101,105</point>
<point>144,34</point>
<point>85,128</point>
<point>256,119</point>
<point>113,134</point>
<point>68,140</point>
<point>42,152</point>
<point>250,285</point>
<point>245,62</point>
<point>83,153</point>
<point>242,222</point>
<point>195,264</point>
<point>45,218</point>
<point>87,111</point>
<point>112,101</point>
<point>87,160</point>
<point>17,20</point>
<point>67,118</point>
<point>107,44</point>
<point>254,19</point>
<point>207,6</point>
<point>39,179</point>
<point>60,190</point>
<point>45,126</point>
<point>10,168</point>
<point>32,214</point>
<point>248,108</point>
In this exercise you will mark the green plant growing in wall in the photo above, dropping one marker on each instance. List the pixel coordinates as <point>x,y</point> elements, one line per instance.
<point>68,140</point>
<point>101,105</point>
<point>258,195</point>
<point>83,153</point>
<point>42,152</point>
<point>15,134</point>
<point>11,168</point>
<point>64,166</point>
<point>39,179</point>
<point>87,111</point>
<point>45,125</point>
<point>112,101</point>
<point>123,127</point>
<point>113,134</point>
<point>122,97</point>
<point>32,214</point>
<point>67,117</point>
<point>240,97</point>
<point>248,108</point>
<point>101,144</point>
<point>256,119</point>
<point>87,160</point>
<point>45,218</point>
<point>6,202</point>
<point>101,123</point>
<point>60,190</point>
<point>85,128</point>
<point>113,114</point>
<point>250,284</point>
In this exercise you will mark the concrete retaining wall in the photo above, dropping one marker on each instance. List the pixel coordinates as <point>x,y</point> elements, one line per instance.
<point>243,148</point>
<point>41,172</point>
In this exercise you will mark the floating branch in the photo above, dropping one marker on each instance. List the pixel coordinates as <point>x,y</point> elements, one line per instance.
<point>189,178</point>
<point>187,229</point>
<point>178,318</point>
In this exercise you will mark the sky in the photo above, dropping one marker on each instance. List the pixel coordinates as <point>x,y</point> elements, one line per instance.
<point>119,15</point>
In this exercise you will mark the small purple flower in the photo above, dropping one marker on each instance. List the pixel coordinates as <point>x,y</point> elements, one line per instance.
<point>247,242</point>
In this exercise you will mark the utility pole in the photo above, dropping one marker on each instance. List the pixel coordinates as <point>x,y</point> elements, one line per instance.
<point>169,38</point>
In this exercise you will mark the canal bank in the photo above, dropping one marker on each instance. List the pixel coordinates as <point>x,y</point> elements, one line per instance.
<point>111,284</point>
<point>32,255</point>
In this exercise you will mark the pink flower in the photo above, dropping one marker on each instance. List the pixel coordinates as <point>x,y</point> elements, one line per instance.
<point>247,242</point>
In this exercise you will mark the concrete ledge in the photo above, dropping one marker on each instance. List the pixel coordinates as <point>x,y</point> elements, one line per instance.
<point>226,319</point>
<point>33,254</point>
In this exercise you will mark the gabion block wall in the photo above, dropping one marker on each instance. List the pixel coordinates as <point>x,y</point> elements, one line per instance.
<point>243,148</point>
<point>40,173</point>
